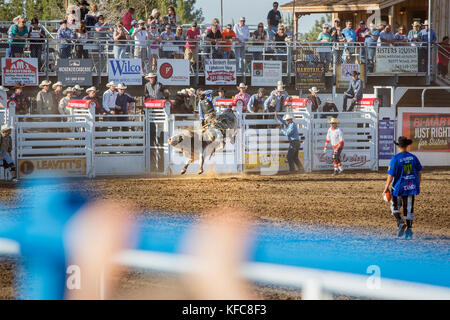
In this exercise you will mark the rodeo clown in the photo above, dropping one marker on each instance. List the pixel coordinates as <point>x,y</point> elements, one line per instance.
<point>336,137</point>
<point>405,174</point>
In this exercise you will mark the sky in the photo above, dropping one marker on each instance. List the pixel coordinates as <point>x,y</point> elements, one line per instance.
<point>254,11</point>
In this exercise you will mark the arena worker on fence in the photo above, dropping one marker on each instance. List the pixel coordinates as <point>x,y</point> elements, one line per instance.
<point>44,99</point>
<point>242,95</point>
<point>154,89</point>
<point>354,92</point>
<point>256,102</point>
<point>109,98</point>
<point>64,102</point>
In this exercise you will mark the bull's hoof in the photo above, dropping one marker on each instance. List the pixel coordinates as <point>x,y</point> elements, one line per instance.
<point>200,171</point>
<point>183,171</point>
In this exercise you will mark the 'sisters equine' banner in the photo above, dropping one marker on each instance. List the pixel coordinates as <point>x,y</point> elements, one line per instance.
<point>396,59</point>
<point>23,70</point>
<point>220,72</point>
<point>266,73</point>
<point>127,71</point>
<point>173,72</point>
<point>309,74</point>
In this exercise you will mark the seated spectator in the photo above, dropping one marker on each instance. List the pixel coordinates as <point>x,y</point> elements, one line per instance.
<point>154,38</point>
<point>414,34</point>
<point>354,92</point>
<point>22,101</point>
<point>179,37</point>
<point>19,33</point>
<point>242,95</point>
<point>64,102</point>
<point>229,36</point>
<point>44,99</point>
<point>315,100</point>
<point>84,10</point>
<point>192,36</point>
<point>65,37</point>
<point>6,149</point>
<point>213,36</point>
<point>3,96</point>
<point>256,102</point>
<point>221,95</point>
<point>387,36</point>
<point>370,43</point>
<point>171,14</point>
<point>326,39</point>
<point>350,40</point>
<point>57,94</point>
<point>120,36</point>
<point>36,34</point>
<point>167,35</point>
<point>259,38</point>
<point>442,57</point>
<point>81,39</point>
<point>127,18</point>
<point>280,48</point>
<point>401,36</point>
<point>140,36</point>
<point>92,95</point>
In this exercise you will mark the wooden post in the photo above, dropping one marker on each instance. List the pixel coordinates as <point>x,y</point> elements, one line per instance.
<point>391,16</point>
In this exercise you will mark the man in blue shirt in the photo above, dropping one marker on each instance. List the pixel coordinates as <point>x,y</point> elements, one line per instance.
<point>273,20</point>
<point>123,101</point>
<point>291,132</point>
<point>256,102</point>
<point>370,42</point>
<point>350,39</point>
<point>354,92</point>
<point>423,49</point>
<point>65,36</point>
<point>405,174</point>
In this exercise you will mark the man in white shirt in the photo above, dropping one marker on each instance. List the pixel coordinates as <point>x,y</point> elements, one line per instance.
<point>242,35</point>
<point>336,137</point>
<point>140,36</point>
<point>109,98</point>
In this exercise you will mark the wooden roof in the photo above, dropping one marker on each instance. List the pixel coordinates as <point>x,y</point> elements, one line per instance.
<point>321,6</point>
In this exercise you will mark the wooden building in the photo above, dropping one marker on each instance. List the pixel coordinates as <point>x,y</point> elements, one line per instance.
<point>394,12</point>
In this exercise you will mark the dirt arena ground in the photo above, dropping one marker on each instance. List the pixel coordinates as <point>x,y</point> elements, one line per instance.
<point>351,200</point>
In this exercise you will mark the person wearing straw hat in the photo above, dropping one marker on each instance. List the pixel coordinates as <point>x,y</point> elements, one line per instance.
<point>6,148</point>
<point>242,95</point>
<point>336,138</point>
<point>290,130</point>
<point>314,98</point>
<point>44,99</point>
<point>64,102</point>
<point>154,89</point>
<point>123,103</point>
<point>57,93</point>
<point>109,98</point>
<point>354,92</point>
<point>3,96</point>
<point>405,174</point>
<point>275,103</point>
<point>22,101</point>
<point>92,96</point>
<point>423,50</point>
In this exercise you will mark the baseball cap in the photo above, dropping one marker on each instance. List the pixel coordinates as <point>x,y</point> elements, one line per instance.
<point>242,19</point>
<point>134,22</point>
<point>403,142</point>
<point>194,24</point>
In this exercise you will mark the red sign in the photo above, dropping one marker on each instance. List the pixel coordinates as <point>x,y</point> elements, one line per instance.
<point>23,70</point>
<point>221,75</point>
<point>157,104</point>
<point>80,104</point>
<point>225,103</point>
<point>295,102</point>
<point>166,70</point>
<point>370,102</point>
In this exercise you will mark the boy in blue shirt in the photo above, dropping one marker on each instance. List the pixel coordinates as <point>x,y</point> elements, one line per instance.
<point>405,174</point>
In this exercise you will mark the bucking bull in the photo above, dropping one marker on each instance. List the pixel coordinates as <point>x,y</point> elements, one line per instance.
<point>201,143</point>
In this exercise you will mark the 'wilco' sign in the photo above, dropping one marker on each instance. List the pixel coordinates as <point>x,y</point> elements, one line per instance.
<point>75,71</point>
<point>351,160</point>
<point>127,71</point>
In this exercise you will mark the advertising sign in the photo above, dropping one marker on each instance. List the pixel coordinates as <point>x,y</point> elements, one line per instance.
<point>266,73</point>
<point>344,74</point>
<point>20,70</point>
<point>220,72</point>
<point>173,72</point>
<point>386,137</point>
<point>275,161</point>
<point>309,74</point>
<point>127,71</point>
<point>51,167</point>
<point>349,159</point>
<point>75,71</point>
<point>396,59</point>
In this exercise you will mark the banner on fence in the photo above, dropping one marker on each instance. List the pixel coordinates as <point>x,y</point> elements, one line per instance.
<point>386,137</point>
<point>430,132</point>
<point>23,70</point>
<point>127,71</point>
<point>396,59</point>
<point>344,74</point>
<point>276,161</point>
<point>309,74</point>
<point>349,159</point>
<point>75,71</point>
<point>173,72</point>
<point>220,72</point>
<point>52,167</point>
<point>266,73</point>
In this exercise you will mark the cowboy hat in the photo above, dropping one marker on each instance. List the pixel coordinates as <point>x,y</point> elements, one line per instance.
<point>333,120</point>
<point>313,89</point>
<point>416,24</point>
<point>280,88</point>
<point>280,83</point>
<point>5,127</point>
<point>242,85</point>
<point>354,73</point>
<point>191,91</point>
<point>77,88</point>
<point>288,117</point>
<point>425,23</point>
<point>18,85</point>
<point>45,83</point>
<point>111,84</point>
<point>2,88</point>
<point>403,142</point>
<point>91,89</point>
<point>121,86</point>
<point>59,83</point>
<point>150,75</point>
<point>68,89</point>
<point>141,22</point>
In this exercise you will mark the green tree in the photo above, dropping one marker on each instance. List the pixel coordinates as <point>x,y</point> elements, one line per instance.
<point>10,9</point>
<point>316,30</point>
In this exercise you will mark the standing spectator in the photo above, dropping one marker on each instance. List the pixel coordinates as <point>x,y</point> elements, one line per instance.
<point>171,14</point>
<point>315,100</point>
<point>350,39</point>
<point>179,37</point>
<point>123,103</point>
<point>229,36</point>
<point>361,32</point>
<point>242,95</point>
<point>423,50</point>
<point>256,102</point>
<point>22,101</point>
<point>92,96</point>
<point>259,38</point>
<point>10,36</point>
<point>154,18</point>
<point>401,36</point>
<point>336,138</point>
<point>414,34</point>
<point>140,36</point>
<point>57,94</point>
<point>109,98</point>
<point>3,97</point>
<point>92,17</point>
<point>326,39</point>
<point>354,91</point>
<point>242,35</point>
<point>65,37</point>
<point>94,10</point>
<point>120,36</point>
<point>290,130</point>
<point>213,36</point>
<point>84,10</point>
<point>442,57</point>
<point>167,35</point>
<point>127,18</point>
<point>273,20</point>
<point>153,89</point>
<point>81,39</point>
<point>163,24</point>
<point>333,31</point>
<point>387,36</point>
<point>370,43</point>
<point>338,45</point>
<point>64,102</point>
<point>19,33</point>
<point>192,36</point>
<point>44,99</point>
<point>36,34</point>
<point>102,28</point>
<point>77,92</point>
<point>427,30</point>
<point>280,47</point>
<point>216,22</point>
<point>154,38</point>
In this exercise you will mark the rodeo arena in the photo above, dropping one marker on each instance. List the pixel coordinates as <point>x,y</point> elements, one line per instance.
<point>149,159</point>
